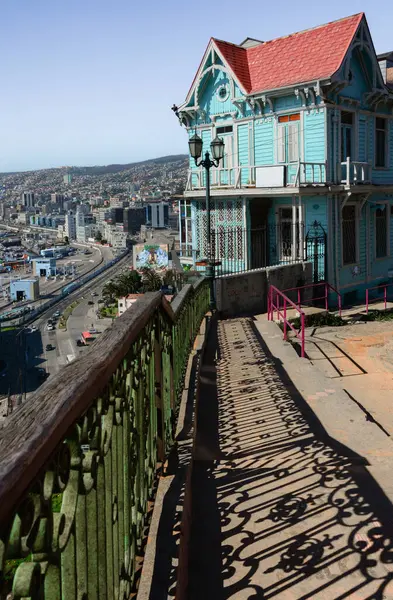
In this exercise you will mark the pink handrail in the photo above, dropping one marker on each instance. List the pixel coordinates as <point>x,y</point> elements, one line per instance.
<point>325,297</point>
<point>378,287</point>
<point>283,315</point>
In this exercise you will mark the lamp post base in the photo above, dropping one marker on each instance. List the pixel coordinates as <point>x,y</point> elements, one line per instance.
<point>210,276</point>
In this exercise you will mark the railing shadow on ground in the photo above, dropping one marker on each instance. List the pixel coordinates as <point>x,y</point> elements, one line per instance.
<point>292,513</point>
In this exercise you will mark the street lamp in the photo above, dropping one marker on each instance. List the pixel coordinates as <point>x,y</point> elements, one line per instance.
<point>217,149</point>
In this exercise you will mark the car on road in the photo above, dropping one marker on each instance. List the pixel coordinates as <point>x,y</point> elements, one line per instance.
<point>90,302</point>
<point>33,328</point>
<point>49,347</point>
<point>94,294</point>
<point>79,343</point>
<point>57,314</point>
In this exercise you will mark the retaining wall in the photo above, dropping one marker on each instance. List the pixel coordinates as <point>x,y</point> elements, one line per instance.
<point>246,293</point>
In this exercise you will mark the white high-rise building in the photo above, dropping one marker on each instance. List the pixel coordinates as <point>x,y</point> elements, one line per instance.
<point>80,226</point>
<point>70,225</point>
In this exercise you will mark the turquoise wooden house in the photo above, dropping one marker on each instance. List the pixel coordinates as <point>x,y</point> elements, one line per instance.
<point>307,123</point>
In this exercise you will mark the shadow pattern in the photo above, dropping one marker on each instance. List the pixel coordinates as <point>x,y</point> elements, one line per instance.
<point>299,518</point>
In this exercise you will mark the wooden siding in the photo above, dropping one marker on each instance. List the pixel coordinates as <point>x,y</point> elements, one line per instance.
<point>314,137</point>
<point>208,99</point>
<point>362,138</point>
<point>264,141</point>
<point>243,150</point>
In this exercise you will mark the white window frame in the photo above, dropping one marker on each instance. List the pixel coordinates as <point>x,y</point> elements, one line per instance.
<point>387,217</point>
<point>357,232</point>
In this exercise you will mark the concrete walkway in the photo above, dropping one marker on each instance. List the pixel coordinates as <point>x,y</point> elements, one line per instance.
<point>285,503</point>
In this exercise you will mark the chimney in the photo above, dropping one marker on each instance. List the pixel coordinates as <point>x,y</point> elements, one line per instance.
<point>250,43</point>
<point>386,64</point>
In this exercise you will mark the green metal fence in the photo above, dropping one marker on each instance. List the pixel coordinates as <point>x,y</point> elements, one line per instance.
<point>78,460</point>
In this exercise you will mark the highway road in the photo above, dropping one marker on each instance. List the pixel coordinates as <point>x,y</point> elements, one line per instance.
<point>83,264</point>
<point>28,346</point>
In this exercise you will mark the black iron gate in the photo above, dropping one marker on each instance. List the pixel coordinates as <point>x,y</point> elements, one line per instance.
<point>316,239</point>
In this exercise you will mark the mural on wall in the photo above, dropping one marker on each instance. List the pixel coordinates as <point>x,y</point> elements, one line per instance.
<point>151,256</point>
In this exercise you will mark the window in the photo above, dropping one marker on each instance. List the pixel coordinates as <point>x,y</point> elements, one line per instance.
<point>226,129</point>
<point>288,138</point>
<point>381,233</point>
<point>346,134</point>
<point>349,235</point>
<point>380,142</point>
<point>223,93</point>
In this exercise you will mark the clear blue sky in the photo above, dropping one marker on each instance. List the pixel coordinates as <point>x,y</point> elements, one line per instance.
<point>87,82</point>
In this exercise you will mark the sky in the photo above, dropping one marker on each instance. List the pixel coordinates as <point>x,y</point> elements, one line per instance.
<point>92,82</point>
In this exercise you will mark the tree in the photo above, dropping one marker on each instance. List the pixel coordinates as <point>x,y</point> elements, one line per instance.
<point>110,292</point>
<point>129,283</point>
<point>151,281</point>
<point>98,237</point>
<point>66,239</point>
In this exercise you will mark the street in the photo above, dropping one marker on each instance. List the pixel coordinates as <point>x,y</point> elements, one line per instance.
<point>24,360</point>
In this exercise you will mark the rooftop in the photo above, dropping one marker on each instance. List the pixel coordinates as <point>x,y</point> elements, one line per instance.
<point>308,55</point>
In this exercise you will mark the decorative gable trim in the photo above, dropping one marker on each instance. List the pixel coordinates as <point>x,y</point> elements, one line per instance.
<point>210,52</point>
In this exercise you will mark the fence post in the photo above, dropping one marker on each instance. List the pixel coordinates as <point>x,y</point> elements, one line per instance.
<point>326,297</point>
<point>302,323</point>
<point>268,304</point>
<point>385,295</point>
<point>366,302</point>
<point>285,318</point>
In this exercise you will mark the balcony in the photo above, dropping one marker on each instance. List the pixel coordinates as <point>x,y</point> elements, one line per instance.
<point>251,177</point>
<point>79,460</point>
<point>355,172</point>
<point>301,174</point>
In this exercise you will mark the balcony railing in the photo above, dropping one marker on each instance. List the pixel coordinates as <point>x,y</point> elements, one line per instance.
<point>79,459</point>
<point>301,173</point>
<point>311,173</point>
<point>355,172</point>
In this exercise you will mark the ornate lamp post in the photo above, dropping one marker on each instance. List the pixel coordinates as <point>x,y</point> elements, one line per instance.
<point>217,150</point>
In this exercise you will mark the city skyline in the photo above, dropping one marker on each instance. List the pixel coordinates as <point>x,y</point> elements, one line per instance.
<point>86,85</point>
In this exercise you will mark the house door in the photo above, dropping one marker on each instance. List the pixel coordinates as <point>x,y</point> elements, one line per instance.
<point>288,144</point>
<point>316,251</point>
<point>285,235</point>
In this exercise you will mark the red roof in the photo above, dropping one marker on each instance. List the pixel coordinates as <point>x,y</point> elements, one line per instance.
<point>297,58</point>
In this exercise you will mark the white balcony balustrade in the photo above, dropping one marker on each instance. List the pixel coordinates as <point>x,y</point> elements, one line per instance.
<point>355,172</point>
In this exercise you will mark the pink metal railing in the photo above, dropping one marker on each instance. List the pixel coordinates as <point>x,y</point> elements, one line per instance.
<point>274,304</point>
<point>385,295</point>
<point>326,286</point>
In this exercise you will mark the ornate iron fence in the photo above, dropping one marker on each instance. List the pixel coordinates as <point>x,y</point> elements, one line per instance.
<point>238,250</point>
<point>78,461</point>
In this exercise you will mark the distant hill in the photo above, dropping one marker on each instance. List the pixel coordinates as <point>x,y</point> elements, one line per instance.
<point>108,169</point>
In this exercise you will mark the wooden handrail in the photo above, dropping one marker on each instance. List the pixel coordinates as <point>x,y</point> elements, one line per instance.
<point>33,432</point>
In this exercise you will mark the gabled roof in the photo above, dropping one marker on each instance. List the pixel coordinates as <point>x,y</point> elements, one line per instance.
<point>309,55</point>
